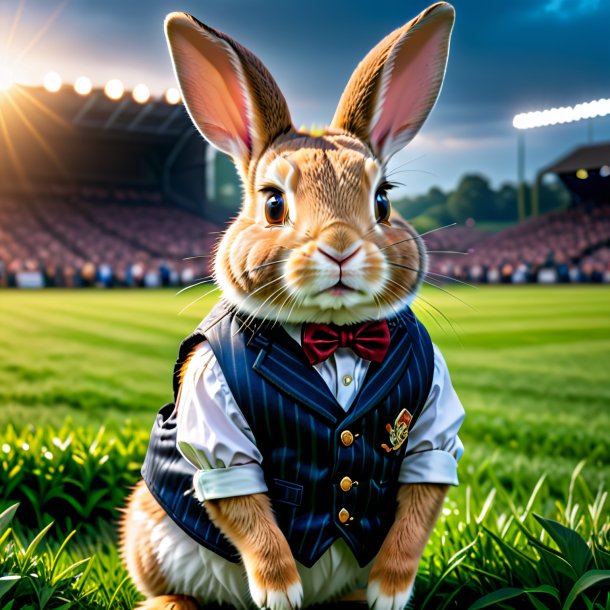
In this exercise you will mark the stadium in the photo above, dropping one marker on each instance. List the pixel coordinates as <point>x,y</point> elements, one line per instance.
<point>110,188</point>
<point>111,206</point>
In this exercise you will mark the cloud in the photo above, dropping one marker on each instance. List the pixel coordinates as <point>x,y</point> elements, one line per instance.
<point>567,9</point>
<point>436,143</point>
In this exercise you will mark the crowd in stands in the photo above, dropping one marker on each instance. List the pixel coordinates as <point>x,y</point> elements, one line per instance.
<point>126,237</point>
<point>58,240</point>
<point>565,246</point>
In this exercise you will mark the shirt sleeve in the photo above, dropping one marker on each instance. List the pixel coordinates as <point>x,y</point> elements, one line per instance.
<point>213,434</point>
<point>434,446</point>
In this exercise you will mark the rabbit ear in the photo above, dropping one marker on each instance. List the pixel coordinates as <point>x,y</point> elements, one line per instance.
<point>395,86</point>
<point>229,94</point>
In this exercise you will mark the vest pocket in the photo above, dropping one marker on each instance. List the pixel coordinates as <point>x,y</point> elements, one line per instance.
<point>286,492</point>
<point>382,498</point>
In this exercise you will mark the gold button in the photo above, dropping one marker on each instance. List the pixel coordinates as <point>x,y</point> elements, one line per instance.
<point>346,484</point>
<point>347,438</point>
<point>347,379</point>
<point>343,515</point>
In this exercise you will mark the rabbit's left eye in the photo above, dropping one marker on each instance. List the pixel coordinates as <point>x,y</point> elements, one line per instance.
<point>275,208</point>
<point>383,207</point>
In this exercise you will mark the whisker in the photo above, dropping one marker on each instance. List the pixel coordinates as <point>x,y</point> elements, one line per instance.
<point>283,260</point>
<point>296,300</point>
<point>286,301</point>
<point>265,285</point>
<point>430,313</point>
<point>252,316</point>
<point>198,299</point>
<point>413,171</point>
<point>445,252</point>
<point>402,241</point>
<point>436,285</point>
<point>453,279</point>
<point>430,304</point>
<point>442,314</point>
<point>406,163</point>
<point>448,277</point>
<point>206,280</point>
<point>396,311</point>
<point>452,295</point>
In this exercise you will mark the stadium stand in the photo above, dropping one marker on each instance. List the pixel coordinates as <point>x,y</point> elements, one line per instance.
<point>562,246</point>
<point>71,241</point>
<point>101,192</point>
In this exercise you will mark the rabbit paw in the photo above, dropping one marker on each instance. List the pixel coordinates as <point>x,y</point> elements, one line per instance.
<point>288,598</point>
<point>273,578</point>
<point>379,600</point>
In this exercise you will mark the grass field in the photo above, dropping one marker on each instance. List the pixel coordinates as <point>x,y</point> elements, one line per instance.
<point>530,364</point>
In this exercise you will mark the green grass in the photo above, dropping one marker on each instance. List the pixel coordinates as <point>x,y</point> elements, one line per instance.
<point>530,364</point>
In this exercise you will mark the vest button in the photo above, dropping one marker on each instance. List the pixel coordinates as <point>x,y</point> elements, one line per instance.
<point>346,484</point>
<point>347,438</point>
<point>343,515</point>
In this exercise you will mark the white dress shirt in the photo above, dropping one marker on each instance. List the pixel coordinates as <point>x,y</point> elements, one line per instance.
<point>214,436</point>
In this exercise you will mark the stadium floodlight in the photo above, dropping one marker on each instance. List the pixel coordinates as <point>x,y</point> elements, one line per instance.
<point>114,89</point>
<point>172,96</point>
<point>6,78</point>
<point>83,85</point>
<point>52,82</point>
<point>141,93</point>
<point>564,114</point>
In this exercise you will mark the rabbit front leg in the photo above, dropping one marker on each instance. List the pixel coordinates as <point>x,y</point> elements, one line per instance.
<point>393,573</point>
<point>249,523</point>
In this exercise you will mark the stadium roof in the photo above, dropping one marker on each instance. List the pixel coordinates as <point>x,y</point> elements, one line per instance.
<point>62,137</point>
<point>588,157</point>
<point>97,111</point>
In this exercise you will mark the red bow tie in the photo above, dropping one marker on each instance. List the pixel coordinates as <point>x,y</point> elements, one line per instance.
<point>369,340</point>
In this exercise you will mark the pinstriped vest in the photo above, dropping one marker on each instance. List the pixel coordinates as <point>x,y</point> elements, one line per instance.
<point>302,434</point>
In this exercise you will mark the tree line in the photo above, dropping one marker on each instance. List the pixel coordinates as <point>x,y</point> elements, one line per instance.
<point>475,198</point>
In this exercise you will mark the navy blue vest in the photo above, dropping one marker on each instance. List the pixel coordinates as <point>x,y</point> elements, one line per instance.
<point>308,442</point>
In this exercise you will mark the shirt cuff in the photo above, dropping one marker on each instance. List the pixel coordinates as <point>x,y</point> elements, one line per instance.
<point>241,480</point>
<point>433,466</point>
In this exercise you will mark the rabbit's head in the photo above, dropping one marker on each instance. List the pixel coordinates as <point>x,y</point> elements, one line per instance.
<point>316,238</point>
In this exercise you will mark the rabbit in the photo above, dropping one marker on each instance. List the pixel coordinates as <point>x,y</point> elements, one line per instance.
<point>316,242</point>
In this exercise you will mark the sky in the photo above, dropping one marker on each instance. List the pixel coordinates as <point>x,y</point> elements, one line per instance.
<point>506,57</point>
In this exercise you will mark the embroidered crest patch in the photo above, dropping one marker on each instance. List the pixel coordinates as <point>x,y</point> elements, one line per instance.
<point>400,432</point>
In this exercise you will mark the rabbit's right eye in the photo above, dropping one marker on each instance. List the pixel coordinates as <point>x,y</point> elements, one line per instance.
<point>275,208</point>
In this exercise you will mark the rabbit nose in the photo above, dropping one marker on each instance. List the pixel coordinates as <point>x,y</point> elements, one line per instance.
<point>340,257</point>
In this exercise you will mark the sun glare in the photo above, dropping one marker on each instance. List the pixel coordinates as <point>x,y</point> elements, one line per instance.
<point>172,96</point>
<point>6,78</point>
<point>52,82</point>
<point>114,89</point>
<point>141,94</point>
<point>82,85</point>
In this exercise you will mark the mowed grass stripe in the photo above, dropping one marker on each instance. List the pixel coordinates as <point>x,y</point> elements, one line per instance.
<point>113,324</point>
<point>530,364</point>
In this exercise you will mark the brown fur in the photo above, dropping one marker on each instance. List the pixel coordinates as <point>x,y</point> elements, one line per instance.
<point>419,506</point>
<point>270,114</point>
<point>332,196</point>
<point>140,557</point>
<point>185,364</point>
<point>169,602</point>
<point>329,182</point>
<point>357,104</point>
<point>250,525</point>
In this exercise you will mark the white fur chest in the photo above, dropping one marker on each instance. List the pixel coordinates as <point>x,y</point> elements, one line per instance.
<point>191,569</point>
